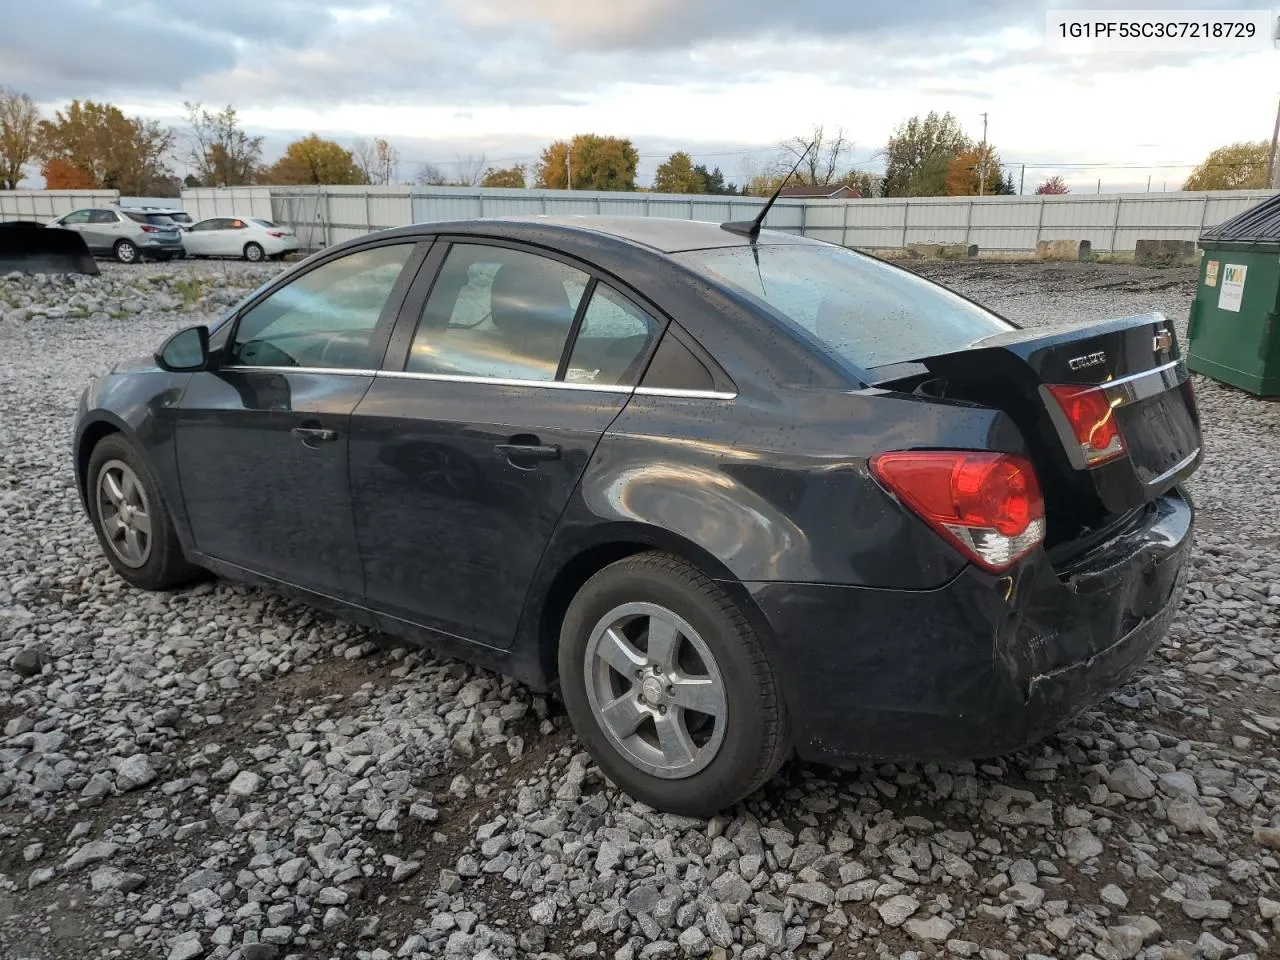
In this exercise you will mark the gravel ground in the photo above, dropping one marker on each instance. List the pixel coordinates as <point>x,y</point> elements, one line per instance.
<point>217,772</point>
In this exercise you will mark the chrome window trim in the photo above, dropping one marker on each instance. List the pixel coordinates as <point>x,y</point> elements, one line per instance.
<point>502,381</point>
<point>689,394</point>
<point>342,371</point>
<point>674,392</point>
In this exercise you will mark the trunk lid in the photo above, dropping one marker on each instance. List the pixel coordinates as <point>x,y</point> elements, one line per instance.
<point>1128,369</point>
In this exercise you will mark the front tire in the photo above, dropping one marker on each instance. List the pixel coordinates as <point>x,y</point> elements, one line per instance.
<point>253,252</point>
<point>126,252</point>
<point>130,519</point>
<point>669,688</point>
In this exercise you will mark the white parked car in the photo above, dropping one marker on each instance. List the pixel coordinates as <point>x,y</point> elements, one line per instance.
<point>249,237</point>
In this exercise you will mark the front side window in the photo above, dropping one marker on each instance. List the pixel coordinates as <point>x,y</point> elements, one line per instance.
<point>868,313</point>
<point>326,317</point>
<point>497,312</point>
<point>613,340</point>
<point>80,216</point>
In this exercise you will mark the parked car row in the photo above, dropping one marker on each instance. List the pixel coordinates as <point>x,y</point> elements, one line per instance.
<point>130,235</point>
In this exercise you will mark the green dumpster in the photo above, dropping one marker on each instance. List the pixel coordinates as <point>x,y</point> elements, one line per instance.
<point>1234,330</point>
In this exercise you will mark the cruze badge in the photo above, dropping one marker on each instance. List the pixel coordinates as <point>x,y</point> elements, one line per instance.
<point>1163,341</point>
<point>1088,360</point>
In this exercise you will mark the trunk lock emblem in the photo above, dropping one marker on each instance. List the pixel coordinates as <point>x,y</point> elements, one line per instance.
<point>1163,341</point>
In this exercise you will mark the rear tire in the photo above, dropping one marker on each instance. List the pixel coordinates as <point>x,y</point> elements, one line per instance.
<point>253,252</point>
<point>632,703</point>
<point>130,518</point>
<point>125,251</point>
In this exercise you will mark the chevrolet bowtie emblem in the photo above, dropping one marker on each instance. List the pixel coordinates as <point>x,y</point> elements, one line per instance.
<point>1163,341</point>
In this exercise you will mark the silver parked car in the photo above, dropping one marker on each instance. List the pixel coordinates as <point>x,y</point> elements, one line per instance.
<point>127,235</point>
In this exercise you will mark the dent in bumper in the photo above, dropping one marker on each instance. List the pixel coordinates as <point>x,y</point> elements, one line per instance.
<point>978,667</point>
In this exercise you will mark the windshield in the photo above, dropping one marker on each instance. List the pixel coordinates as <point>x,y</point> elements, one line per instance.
<point>868,313</point>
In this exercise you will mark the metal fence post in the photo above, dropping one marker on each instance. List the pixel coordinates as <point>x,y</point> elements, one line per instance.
<point>480,197</point>
<point>368,213</point>
<point>844,227</point>
<point>906,216</point>
<point>1040,221</point>
<point>968,223</point>
<point>1115,225</point>
<point>804,218</point>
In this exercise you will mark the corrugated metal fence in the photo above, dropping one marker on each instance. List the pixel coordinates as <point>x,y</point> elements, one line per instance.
<point>1110,222</point>
<point>44,205</point>
<point>325,215</point>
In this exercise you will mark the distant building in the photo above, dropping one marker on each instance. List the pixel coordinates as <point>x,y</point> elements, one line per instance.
<point>822,192</point>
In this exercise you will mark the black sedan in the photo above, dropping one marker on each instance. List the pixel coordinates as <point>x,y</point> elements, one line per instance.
<point>735,494</point>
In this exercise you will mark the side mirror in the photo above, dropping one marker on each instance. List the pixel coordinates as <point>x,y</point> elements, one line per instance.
<point>187,351</point>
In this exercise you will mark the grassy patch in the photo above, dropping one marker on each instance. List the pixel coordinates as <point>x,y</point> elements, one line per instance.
<point>189,291</point>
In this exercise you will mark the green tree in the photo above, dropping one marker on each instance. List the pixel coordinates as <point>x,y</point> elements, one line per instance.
<point>861,182</point>
<point>919,153</point>
<point>504,177</point>
<point>596,163</point>
<point>19,126</point>
<point>313,160</point>
<point>1006,187</point>
<point>111,150</point>
<point>714,180</point>
<point>1239,166</point>
<point>220,153</point>
<point>677,174</point>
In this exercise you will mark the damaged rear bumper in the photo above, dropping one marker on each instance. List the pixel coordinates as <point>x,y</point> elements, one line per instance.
<point>983,665</point>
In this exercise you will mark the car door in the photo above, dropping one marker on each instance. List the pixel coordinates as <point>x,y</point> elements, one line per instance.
<point>262,440</point>
<point>199,239</point>
<point>78,221</point>
<point>99,231</point>
<point>232,236</point>
<point>467,447</point>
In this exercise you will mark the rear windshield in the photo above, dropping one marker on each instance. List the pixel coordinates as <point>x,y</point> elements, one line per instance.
<point>156,219</point>
<point>264,223</point>
<point>868,313</point>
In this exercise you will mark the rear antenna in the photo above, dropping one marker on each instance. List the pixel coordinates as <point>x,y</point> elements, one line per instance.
<point>751,228</point>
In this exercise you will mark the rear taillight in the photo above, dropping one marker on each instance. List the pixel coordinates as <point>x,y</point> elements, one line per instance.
<point>987,504</point>
<point>274,233</point>
<point>1092,420</point>
<point>147,228</point>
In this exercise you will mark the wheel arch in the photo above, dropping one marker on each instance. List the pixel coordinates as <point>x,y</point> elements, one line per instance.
<point>91,434</point>
<point>563,575</point>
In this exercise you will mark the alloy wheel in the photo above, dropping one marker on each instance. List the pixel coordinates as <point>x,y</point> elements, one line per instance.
<point>124,513</point>
<point>126,252</point>
<point>656,690</point>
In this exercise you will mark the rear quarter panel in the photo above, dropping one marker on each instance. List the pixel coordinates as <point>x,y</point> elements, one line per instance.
<point>779,491</point>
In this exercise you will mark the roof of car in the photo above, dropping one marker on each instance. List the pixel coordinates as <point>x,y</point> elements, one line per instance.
<point>666,235</point>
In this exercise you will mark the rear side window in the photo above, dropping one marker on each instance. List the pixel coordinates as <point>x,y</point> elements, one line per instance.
<point>613,340</point>
<point>497,312</point>
<point>157,219</point>
<point>868,313</point>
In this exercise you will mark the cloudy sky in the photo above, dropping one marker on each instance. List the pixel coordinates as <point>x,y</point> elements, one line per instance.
<point>723,79</point>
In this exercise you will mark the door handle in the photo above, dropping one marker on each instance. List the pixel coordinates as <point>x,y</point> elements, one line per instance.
<point>313,435</point>
<point>528,452</point>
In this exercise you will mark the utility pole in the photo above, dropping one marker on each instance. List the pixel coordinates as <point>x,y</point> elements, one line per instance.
<point>982,157</point>
<point>1273,168</point>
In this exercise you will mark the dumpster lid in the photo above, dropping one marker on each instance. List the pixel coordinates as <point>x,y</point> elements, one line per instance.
<point>1260,224</point>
